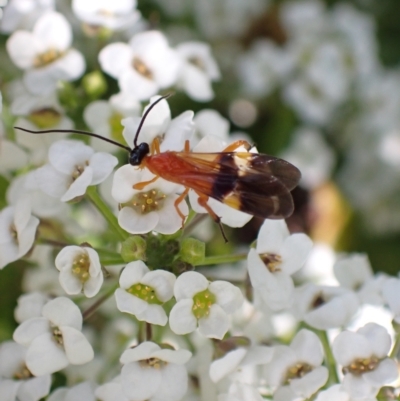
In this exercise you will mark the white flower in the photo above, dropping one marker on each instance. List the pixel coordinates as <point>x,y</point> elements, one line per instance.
<point>80,270</point>
<point>16,382</point>
<point>263,67</point>
<point>234,363</point>
<point>104,118</point>
<point>111,391</point>
<point>150,209</point>
<point>363,355</point>
<point>17,231</point>
<point>114,14</point>
<point>391,295</point>
<point>22,14</point>
<point>43,206</point>
<point>171,133</point>
<point>144,66</point>
<point>205,304</point>
<point>277,256</point>
<point>55,339</point>
<point>241,392</point>
<point>299,365</point>
<point>210,122</point>
<point>154,374</point>
<point>198,71</point>
<point>143,292</point>
<point>324,307</point>
<point>337,393</point>
<point>29,305</point>
<point>229,216</point>
<point>73,166</point>
<point>45,53</point>
<point>82,391</point>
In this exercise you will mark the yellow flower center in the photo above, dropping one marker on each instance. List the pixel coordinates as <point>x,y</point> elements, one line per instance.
<point>153,363</point>
<point>146,202</point>
<point>141,68</point>
<point>46,58</point>
<point>57,336</point>
<point>23,373</point>
<point>298,371</point>
<point>362,365</point>
<point>271,261</point>
<point>45,118</point>
<point>197,62</point>
<point>79,170</point>
<point>144,292</point>
<point>202,303</point>
<point>80,267</point>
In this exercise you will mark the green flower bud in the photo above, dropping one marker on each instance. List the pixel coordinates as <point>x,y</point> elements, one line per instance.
<point>134,248</point>
<point>192,251</point>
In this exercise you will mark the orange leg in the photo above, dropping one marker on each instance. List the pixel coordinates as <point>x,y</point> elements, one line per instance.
<point>181,197</point>
<point>141,185</point>
<point>203,202</point>
<point>155,146</point>
<point>237,144</point>
<point>187,146</point>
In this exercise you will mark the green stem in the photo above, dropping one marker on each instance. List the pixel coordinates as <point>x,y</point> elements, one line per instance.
<point>104,209</point>
<point>112,261</point>
<point>89,311</point>
<point>396,347</point>
<point>215,260</point>
<point>329,358</point>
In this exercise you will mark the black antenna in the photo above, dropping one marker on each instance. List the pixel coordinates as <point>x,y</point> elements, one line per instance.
<point>146,114</point>
<point>76,131</point>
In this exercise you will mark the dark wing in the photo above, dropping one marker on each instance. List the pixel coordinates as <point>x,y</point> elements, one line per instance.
<point>254,183</point>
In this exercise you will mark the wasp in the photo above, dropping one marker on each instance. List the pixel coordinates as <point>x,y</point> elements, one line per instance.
<point>253,183</point>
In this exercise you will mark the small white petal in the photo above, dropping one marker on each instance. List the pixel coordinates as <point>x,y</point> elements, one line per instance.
<point>28,330</point>
<point>154,314</point>
<point>310,383</point>
<point>77,347</point>
<point>62,311</point>
<point>385,373</point>
<point>181,318</point>
<point>102,164</point>
<point>173,385</point>
<point>44,356</point>
<point>93,285</point>
<point>216,324</point>
<point>229,297</point>
<point>115,58</point>
<point>142,351</point>
<point>163,283</point>
<point>70,283</point>
<point>141,382</point>
<point>132,274</point>
<point>308,347</point>
<point>379,338</point>
<point>189,284</point>
<point>271,236</point>
<point>22,47</point>
<point>35,388</point>
<point>348,346</point>
<point>129,303</point>
<point>136,223</point>
<point>179,357</point>
<point>227,364</point>
<point>79,186</point>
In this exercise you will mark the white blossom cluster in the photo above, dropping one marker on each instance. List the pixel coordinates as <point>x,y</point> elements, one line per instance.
<point>121,300</point>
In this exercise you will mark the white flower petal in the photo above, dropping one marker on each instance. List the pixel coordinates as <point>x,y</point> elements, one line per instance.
<point>52,182</point>
<point>189,284</point>
<point>154,314</point>
<point>308,347</point>
<point>229,297</point>
<point>179,357</point>
<point>132,274</point>
<point>196,83</point>
<point>62,311</point>
<point>77,347</point>
<point>142,351</point>
<point>216,324</point>
<point>115,58</point>
<point>102,164</point>
<point>227,364</point>
<point>310,383</point>
<point>129,303</point>
<point>9,389</point>
<point>28,330</point>
<point>79,186</point>
<point>141,382</point>
<point>348,346</point>
<point>163,283</point>
<point>135,223</point>
<point>35,388</point>
<point>93,285</point>
<point>174,383</point>
<point>385,373</point>
<point>22,47</point>
<point>295,251</point>
<point>271,236</point>
<point>44,356</point>
<point>379,338</point>
<point>181,317</point>
<point>70,283</point>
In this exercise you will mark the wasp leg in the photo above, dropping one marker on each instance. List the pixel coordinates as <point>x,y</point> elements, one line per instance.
<point>181,197</point>
<point>203,202</point>
<point>237,144</point>
<point>141,185</point>
<point>155,147</point>
<point>187,146</point>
